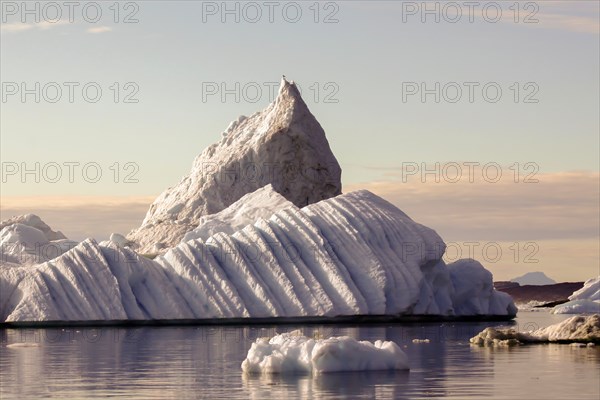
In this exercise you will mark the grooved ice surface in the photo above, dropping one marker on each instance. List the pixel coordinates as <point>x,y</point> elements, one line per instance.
<point>349,255</point>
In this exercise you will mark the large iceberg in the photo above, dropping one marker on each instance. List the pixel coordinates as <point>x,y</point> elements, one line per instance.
<point>583,301</point>
<point>355,254</point>
<point>294,353</point>
<point>272,246</point>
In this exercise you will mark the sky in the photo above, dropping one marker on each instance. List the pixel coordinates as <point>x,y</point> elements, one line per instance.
<point>424,103</point>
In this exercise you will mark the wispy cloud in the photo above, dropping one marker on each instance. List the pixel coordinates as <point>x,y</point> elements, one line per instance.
<point>571,23</point>
<point>99,29</point>
<point>16,27</point>
<point>568,16</point>
<point>559,206</point>
<point>551,226</point>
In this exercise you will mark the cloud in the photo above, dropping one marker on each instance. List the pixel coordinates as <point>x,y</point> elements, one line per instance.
<point>559,206</point>
<point>15,27</point>
<point>551,226</point>
<point>562,260</point>
<point>571,23</point>
<point>99,29</point>
<point>569,16</point>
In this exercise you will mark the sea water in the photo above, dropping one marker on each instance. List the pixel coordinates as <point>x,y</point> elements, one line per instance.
<point>204,362</point>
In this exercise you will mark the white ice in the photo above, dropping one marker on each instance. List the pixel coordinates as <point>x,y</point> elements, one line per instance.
<point>248,251</point>
<point>293,353</point>
<point>261,203</point>
<point>353,254</point>
<point>283,145</point>
<point>574,329</point>
<point>27,240</point>
<point>583,301</point>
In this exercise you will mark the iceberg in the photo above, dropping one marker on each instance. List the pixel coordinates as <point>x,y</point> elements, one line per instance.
<point>583,301</point>
<point>578,329</point>
<point>294,353</point>
<point>354,254</point>
<point>222,245</point>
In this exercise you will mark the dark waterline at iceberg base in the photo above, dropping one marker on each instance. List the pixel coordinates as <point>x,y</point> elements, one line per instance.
<point>204,362</point>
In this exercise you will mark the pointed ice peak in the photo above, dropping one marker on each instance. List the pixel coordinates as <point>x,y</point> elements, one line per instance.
<point>287,89</point>
<point>283,145</point>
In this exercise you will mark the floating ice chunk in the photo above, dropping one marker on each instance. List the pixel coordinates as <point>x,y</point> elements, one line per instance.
<point>575,329</point>
<point>292,353</point>
<point>420,340</point>
<point>496,337</point>
<point>577,307</point>
<point>589,291</point>
<point>583,301</point>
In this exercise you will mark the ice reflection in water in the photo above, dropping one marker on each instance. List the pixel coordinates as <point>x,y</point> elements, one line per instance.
<point>204,362</point>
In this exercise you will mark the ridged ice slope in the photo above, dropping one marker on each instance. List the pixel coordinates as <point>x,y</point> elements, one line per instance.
<point>349,255</point>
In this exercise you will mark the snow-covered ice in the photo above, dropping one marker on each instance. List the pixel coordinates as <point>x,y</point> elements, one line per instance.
<point>293,353</point>
<point>27,240</point>
<point>577,307</point>
<point>237,240</point>
<point>33,221</point>
<point>583,301</point>
<point>283,145</point>
<point>355,254</point>
<point>262,203</point>
<point>575,329</point>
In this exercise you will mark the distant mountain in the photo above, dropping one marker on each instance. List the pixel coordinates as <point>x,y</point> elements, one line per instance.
<point>534,278</point>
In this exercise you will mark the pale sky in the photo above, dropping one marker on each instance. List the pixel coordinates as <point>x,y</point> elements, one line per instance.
<point>356,73</point>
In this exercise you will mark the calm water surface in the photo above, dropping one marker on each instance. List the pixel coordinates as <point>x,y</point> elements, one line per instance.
<point>204,362</point>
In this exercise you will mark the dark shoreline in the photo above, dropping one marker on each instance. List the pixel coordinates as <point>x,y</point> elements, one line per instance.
<point>350,319</point>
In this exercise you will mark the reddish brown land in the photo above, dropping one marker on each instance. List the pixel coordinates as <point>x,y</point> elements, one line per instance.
<point>542,293</point>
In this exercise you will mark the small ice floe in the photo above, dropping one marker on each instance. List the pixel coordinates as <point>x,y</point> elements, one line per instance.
<point>577,330</point>
<point>578,344</point>
<point>420,340</point>
<point>293,353</point>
